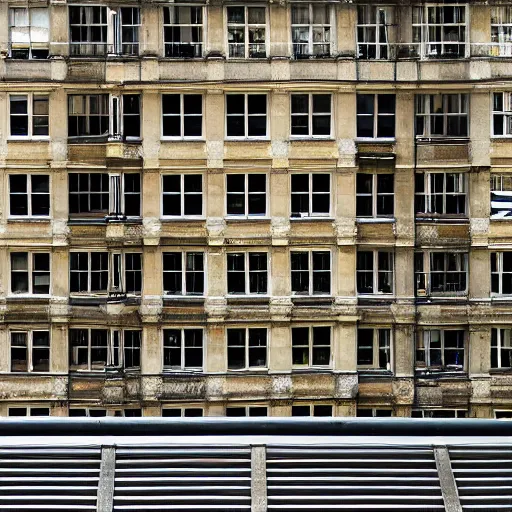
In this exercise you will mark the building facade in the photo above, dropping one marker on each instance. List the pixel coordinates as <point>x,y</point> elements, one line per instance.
<point>268,208</point>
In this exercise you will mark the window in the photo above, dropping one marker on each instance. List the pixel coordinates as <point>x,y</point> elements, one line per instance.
<point>30,273</point>
<point>440,350</point>
<point>183,349</point>
<point>183,273</point>
<point>501,273</point>
<point>29,195</point>
<point>94,349</point>
<point>373,24</point>
<point>502,415</point>
<point>502,113</point>
<point>438,193</point>
<point>247,273</point>
<point>312,410</point>
<point>440,30</point>
<point>246,410</point>
<point>88,115</point>
<point>441,273</point>
<point>246,195</point>
<point>376,116</point>
<point>178,412</point>
<point>442,115</point>
<point>30,351</point>
<point>28,115</point>
<point>311,30</point>
<point>311,195</point>
<point>246,116</point>
<point>183,31</point>
<point>247,348</point>
<point>246,32</point>
<point>311,272</point>
<point>88,28</point>
<point>182,195</point>
<point>374,348</point>
<point>374,272</point>
<point>311,346</point>
<point>501,31</point>
<point>373,412</point>
<point>311,115</point>
<point>375,195</point>
<point>182,116</point>
<point>99,272</point>
<point>439,413</point>
<point>88,194</point>
<point>501,348</point>
<point>29,33</point>
<point>501,192</point>
<point>126,37</point>
<point>124,196</point>
<point>96,412</point>
<point>125,119</point>
<point>29,411</point>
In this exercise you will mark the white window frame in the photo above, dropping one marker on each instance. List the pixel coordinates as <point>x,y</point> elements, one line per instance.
<point>96,45</point>
<point>247,347</point>
<point>311,44</point>
<point>382,50</point>
<point>311,272</point>
<point>117,115</point>
<point>29,409</point>
<point>423,339</point>
<point>422,109</point>
<point>429,195</point>
<point>375,117</point>
<point>104,100</point>
<point>376,348</point>
<point>30,116</point>
<point>182,367</point>
<point>248,409</point>
<point>375,195</point>
<point>375,412</point>
<point>30,348</point>
<point>30,45</point>
<point>117,195</point>
<point>115,31</point>
<point>311,345</point>
<point>30,270</point>
<point>183,410</point>
<point>463,260</point>
<point>246,26</point>
<point>182,118</point>
<point>90,272</point>
<point>499,337</point>
<point>182,195</point>
<point>501,21</point>
<point>506,112</point>
<point>376,271</point>
<point>498,256</point>
<point>424,27</point>
<point>501,188</point>
<point>247,115</point>
<point>247,192</point>
<point>29,194</point>
<point>311,214</point>
<point>457,413</point>
<point>310,114</point>
<point>312,408</point>
<point>108,412</point>
<point>203,26</point>
<point>184,273</point>
<point>247,273</point>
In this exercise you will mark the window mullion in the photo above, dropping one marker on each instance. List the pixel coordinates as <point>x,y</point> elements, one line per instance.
<point>310,268</point>
<point>374,195</point>
<point>246,194</point>
<point>183,273</point>
<point>246,32</point>
<point>310,193</point>
<point>89,341</point>
<point>182,115</point>
<point>310,115</point>
<point>182,343</point>
<point>182,195</point>
<point>375,115</point>
<point>246,115</point>
<point>247,271</point>
<point>246,351</point>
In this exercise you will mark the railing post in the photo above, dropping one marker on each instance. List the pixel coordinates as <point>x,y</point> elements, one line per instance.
<point>105,501</point>
<point>447,480</point>
<point>258,479</point>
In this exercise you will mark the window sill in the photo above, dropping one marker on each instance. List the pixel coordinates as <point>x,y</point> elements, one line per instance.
<point>441,374</point>
<point>182,300</point>
<point>374,373</point>
<point>247,218</point>
<point>87,220</point>
<point>28,297</point>
<point>21,220</point>
<point>445,219</point>
<point>311,369</point>
<point>182,139</point>
<point>183,372</point>
<point>444,140</point>
<point>311,138</point>
<point>375,140</point>
<point>245,371</point>
<point>312,219</point>
<point>28,139</point>
<point>375,220</point>
<point>183,219</point>
<point>501,138</point>
<point>312,300</point>
<point>247,139</point>
<point>251,300</point>
<point>501,371</point>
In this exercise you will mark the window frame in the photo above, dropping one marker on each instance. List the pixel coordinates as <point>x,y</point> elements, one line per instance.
<point>501,188</point>
<point>498,256</point>
<point>311,345</point>
<point>498,334</point>
<point>501,49</point>
<point>104,100</point>
<point>376,271</point>
<point>376,412</point>
<point>247,193</point>
<point>182,368</point>
<point>203,25</point>
<point>311,214</point>
<point>29,194</point>
<point>183,272</point>
<point>429,195</point>
<point>246,27</point>
<point>506,112</point>
<point>30,97</point>
<point>182,115</point>
<point>247,273</point>
<point>183,411</point>
<point>182,195</point>
<point>375,117</point>
<point>382,50</point>
<point>90,213</point>
<point>310,115</point>
<point>424,27</point>
<point>30,350</point>
<point>28,409</point>
<point>375,195</point>
<point>30,45</point>
<point>426,413</point>
<point>247,410</point>
<point>247,347</point>
<point>376,348</point>
<point>30,271</point>
<point>101,48</point>
<point>422,111</point>
<point>423,339</point>
<point>310,43</point>
<point>310,270</point>
<point>247,116</point>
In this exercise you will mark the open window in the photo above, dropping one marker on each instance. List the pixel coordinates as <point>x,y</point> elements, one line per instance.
<point>441,273</point>
<point>373,25</point>
<point>501,31</point>
<point>312,29</point>
<point>439,194</point>
<point>246,31</point>
<point>440,350</point>
<point>29,32</point>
